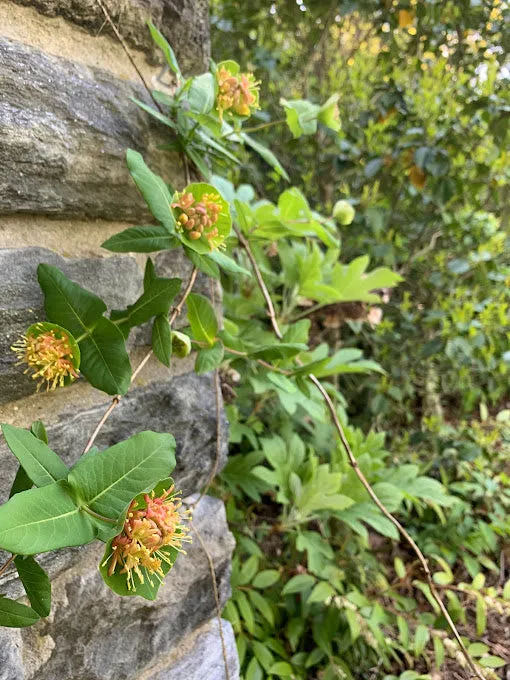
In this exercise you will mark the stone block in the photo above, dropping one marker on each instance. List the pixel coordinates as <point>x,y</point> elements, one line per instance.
<point>64,131</point>
<point>184,406</point>
<point>185,24</point>
<point>202,658</point>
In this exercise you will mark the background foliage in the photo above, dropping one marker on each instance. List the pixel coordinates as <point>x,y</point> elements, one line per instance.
<point>320,589</point>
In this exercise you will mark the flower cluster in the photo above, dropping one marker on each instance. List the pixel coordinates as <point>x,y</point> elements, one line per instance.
<point>198,217</point>
<point>237,94</point>
<point>49,354</point>
<point>138,548</point>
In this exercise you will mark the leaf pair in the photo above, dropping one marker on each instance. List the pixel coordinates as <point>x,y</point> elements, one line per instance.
<point>38,589</point>
<point>63,510</point>
<point>104,359</point>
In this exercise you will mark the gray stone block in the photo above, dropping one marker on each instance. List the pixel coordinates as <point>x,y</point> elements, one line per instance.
<point>203,656</point>
<point>184,406</point>
<point>11,662</point>
<point>116,279</point>
<point>64,131</point>
<point>92,634</point>
<point>185,23</point>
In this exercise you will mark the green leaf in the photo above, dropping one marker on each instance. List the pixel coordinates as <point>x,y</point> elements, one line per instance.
<point>481,615</point>
<point>155,113</point>
<point>248,570</point>
<point>41,464</point>
<point>155,300</point>
<point>153,189</point>
<point>43,519</point>
<point>162,43</point>
<point>321,592</point>
<point>67,303</point>
<point>22,482</point>
<point>162,339</point>
<point>36,583</point>
<point>108,481</point>
<point>282,669</point>
<point>399,567</point>
<point>16,615</point>
<point>439,652</point>
<point>263,655</point>
<point>202,93</point>
<point>301,116</point>
<point>203,262</point>
<point>202,318</point>
<point>254,671</point>
<point>266,578</point>
<point>281,350</point>
<point>488,661</point>
<point>478,649</point>
<point>262,605</point>
<point>421,637</point>
<point>245,610</point>
<point>141,240</point>
<point>209,358</point>
<point>228,264</point>
<point>298,584</point>
<point>105,361</point>
<point>38,430</point>
<point>266,154</point>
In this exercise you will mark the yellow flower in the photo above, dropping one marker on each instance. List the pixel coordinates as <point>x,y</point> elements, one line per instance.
<point>198,217</point>
<point>137,550</point>
<point>51,353</point>
<point>237,93</point>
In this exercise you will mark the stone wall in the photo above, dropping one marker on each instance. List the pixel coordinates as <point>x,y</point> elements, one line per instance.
<point>66,120</point>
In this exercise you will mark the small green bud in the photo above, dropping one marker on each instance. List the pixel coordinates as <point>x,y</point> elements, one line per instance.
<point>181,344</point>
<point>343,212</point>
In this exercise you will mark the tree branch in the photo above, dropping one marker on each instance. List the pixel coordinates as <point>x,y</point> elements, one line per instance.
<point>354,464</point>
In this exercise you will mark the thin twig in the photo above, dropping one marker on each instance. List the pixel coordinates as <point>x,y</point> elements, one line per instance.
<point>267,297</point>
<point>403,532</point>
<point>217,457</point>
<point>117,398</point>
<point>354,464</point>
<point>217,601</point>
<point>5,566</point>
<point>128,53</point>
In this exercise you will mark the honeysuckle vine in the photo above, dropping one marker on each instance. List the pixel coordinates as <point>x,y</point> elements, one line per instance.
<point>124,496</point>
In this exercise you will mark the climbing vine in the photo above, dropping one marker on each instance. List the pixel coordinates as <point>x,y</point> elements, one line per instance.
<point>123,496</point>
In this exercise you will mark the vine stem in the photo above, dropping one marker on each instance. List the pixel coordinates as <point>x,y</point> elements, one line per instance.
<point>263,288</point>
<point>117,398</point>
<point>354,464</point>
<point>217,600</point>
<point>126,50</point>
<point>5,566</point>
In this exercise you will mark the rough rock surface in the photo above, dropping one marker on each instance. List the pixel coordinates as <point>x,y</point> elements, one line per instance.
<point>184,406</point>
<point>205,652</point>
<point>185,24</point>
<point>64,131</point>
<point>97,635</point>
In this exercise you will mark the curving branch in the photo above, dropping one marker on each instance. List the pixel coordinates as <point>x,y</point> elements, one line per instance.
<point>354,464</point>
<point>176,311</point>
